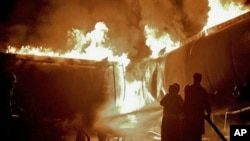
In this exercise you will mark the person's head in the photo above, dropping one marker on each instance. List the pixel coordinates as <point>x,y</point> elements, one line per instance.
<point>197,77</point>
<point>177,87</point>
<point>174,88</point>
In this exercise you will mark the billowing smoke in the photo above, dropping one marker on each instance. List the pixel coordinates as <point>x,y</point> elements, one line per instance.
<point>46,23</point>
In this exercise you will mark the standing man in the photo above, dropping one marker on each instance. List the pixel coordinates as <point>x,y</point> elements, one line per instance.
<point>197,106</point>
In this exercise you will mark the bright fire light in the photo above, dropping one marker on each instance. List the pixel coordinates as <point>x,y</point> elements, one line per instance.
<point>90,47</point>
<point>134,97</point>
<point>95,45</point>
<point>156,45</point>
<point>220,13</point>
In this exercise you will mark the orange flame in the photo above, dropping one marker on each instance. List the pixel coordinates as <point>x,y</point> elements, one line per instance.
<point>90,47</point>
<point>95,46</point>
<point>222,12</point>
<point>156,45</point>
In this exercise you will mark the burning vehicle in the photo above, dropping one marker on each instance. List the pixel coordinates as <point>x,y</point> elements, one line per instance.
<point>221,55</point>
<point>89,90</point>
<point>52,88</point>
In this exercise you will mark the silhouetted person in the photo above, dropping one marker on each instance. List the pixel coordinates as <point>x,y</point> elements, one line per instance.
<point>172,111</point>
<point>197,106</point>
<point>9,111</point>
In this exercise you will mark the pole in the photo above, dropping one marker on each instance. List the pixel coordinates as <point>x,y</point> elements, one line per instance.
<point>215,129</point>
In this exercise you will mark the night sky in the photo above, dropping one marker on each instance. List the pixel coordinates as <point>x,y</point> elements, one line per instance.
<point>6,8</point>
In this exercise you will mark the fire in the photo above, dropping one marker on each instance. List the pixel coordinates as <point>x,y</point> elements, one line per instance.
<point>222,12</point>
<point>157,45</point>
<point>39,51</point>
<point>90,46</point>
<point>134,99</point>
<point>95,45</point>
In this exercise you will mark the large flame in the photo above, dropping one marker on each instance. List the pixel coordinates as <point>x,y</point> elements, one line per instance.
<point>96,45</point>
<point>222,12</point>
<point>158,44</point>
<point>134,99</point>
<point>91,46</point>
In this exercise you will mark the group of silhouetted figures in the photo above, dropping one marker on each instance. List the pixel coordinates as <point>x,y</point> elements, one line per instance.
<point>183,119</point>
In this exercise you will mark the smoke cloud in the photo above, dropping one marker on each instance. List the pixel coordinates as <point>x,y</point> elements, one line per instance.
<point>46,23</point>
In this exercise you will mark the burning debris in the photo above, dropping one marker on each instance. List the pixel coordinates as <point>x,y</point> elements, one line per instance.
<point>63,53</point>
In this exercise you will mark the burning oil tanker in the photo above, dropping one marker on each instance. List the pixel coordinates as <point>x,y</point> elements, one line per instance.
<point>57,87</point>
<point>220,53</point>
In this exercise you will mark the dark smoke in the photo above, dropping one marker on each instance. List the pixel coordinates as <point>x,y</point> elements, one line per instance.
<point>247,2</point>
<point>46,23</point>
